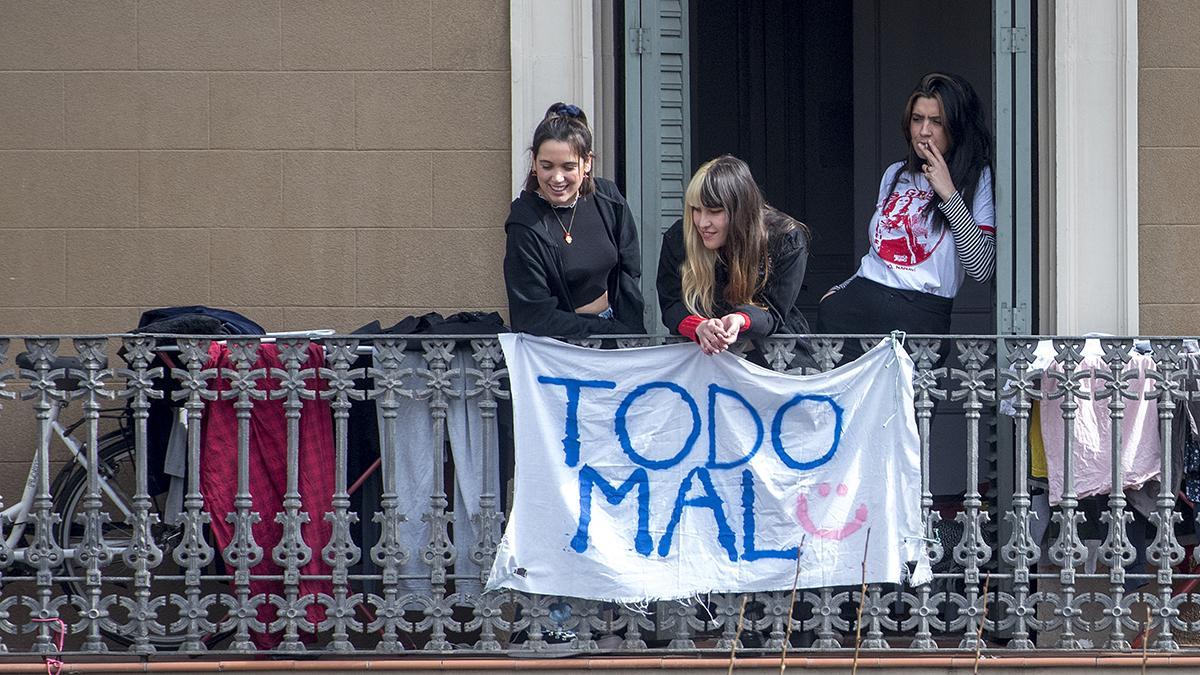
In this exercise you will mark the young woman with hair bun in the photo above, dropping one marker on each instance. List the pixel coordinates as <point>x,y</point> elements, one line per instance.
<point>733,266</point>
<point>572,263</point>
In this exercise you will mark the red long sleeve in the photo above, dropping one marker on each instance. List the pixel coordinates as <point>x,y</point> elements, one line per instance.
<point>687,327</point>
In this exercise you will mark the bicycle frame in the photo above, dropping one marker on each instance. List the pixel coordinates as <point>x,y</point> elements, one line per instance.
<point>18,513</point>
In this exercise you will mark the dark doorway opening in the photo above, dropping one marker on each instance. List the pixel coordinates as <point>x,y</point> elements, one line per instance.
<point>810,93</point>
<point>772,83</point>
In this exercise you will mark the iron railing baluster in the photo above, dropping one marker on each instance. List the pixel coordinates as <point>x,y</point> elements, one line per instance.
<point>243,553</point>
<point>44,554</point>
<point>193,552</point>
<point>388,554</point>
<point>1021,551</point>
<point>341,553</point>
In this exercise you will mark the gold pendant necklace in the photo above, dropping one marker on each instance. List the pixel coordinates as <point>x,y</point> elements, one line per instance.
<point>566,228</point>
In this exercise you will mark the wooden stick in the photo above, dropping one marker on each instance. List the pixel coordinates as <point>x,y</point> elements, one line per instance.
<point>738,635</point>
<point>862,596</point>
<point>982,620</point>
<point>787,636</point>
<point>1145,637</point>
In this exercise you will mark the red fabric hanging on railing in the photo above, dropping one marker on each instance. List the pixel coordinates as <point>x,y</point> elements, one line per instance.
<point>268,471</point>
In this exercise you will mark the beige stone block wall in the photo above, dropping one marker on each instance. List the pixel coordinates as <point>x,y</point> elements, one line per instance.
<point>1169,166</point>
<point>299,160</point>
<point>310,163</point>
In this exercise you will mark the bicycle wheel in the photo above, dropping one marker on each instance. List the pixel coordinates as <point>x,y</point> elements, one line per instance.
<point>116,466</point>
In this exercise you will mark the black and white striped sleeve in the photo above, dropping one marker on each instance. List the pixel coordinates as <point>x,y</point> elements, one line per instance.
<point>975,243</point>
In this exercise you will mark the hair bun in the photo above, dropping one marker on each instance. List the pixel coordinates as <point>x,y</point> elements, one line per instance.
<point>566,110</point>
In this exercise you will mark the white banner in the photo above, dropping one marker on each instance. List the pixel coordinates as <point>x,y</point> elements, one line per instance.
<point>662,473</point>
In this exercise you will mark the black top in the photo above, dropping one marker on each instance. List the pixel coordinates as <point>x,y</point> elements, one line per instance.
<point>590,255</point>
<point>540,300</point>
<point>788,256</point>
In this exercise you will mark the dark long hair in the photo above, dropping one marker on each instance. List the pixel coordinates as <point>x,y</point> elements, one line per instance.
<point>970,139</point>
<point>779,224</point>
<point>567,123</point>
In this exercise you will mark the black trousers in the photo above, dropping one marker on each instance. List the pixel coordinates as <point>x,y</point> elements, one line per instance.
<point>865,306</point>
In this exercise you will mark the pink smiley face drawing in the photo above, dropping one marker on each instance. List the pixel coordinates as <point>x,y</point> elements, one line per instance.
<point>838,533</point>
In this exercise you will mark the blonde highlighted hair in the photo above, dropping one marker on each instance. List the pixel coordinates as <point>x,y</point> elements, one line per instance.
<point>724,183</point>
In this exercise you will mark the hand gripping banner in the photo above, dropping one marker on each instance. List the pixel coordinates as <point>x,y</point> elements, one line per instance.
<point>661,473</point>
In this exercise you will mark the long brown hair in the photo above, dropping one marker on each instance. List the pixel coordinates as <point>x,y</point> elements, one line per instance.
<point>725,183</point>
<point>779,224</point>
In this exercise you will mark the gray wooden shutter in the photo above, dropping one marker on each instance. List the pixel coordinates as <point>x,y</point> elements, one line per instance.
<point>1014,167</point>
<point>657,137</point>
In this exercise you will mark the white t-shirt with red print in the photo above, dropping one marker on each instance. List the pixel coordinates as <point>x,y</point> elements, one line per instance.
<point>907,251</point>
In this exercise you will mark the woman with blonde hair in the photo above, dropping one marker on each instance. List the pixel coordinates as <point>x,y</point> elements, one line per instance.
<point>733,266</point>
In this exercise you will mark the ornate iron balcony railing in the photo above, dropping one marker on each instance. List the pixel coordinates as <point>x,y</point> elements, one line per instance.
<point>95,549</point>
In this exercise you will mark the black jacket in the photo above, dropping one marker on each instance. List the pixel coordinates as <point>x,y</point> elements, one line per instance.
<point>539,301</point>
<point>788,254</point>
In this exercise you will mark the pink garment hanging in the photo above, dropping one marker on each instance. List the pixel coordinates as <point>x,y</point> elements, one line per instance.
<point>1091,456</point>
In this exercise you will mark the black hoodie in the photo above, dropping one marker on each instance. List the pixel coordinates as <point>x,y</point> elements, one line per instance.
<point>778,309</point>
<point>539,301</point>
